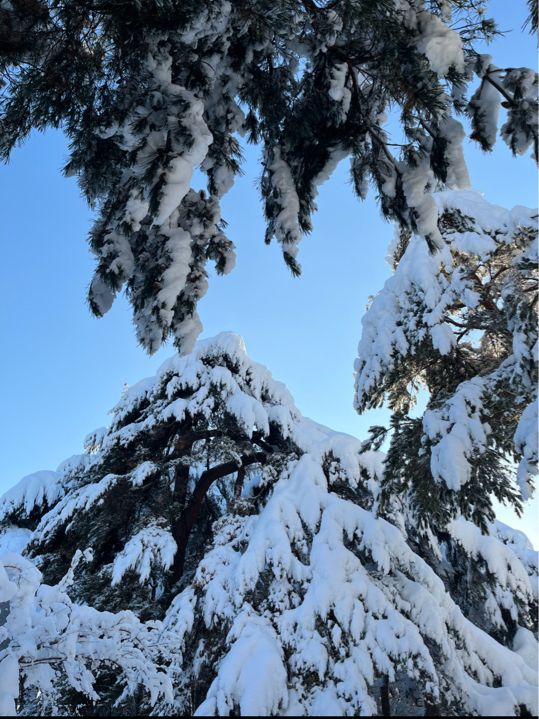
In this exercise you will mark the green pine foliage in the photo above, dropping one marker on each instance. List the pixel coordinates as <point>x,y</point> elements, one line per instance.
<point>215,552</point>
<point>149,91</point>
<point>212,550</point>
<point>460,328</point>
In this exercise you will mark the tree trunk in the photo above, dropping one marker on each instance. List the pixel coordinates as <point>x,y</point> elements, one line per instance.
<point>181,530</point>
<point>384,697</point>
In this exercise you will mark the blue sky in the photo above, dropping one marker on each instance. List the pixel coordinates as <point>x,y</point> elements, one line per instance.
<point>62,369</point>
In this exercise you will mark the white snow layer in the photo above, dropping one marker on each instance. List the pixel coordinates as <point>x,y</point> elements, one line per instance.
<point>486,102</point>
<point>287,227</point>
<point>180,170</point>
<point>35,490</point>
<point>460,432</point>
<point>151,546</point>
<point>501,560</point>
<point>526,443</point>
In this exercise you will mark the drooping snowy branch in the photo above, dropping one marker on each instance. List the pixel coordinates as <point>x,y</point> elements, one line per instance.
<point>152,93</point>
<point>460,322</point>
<point>515,89</point>
<point>50,644</point>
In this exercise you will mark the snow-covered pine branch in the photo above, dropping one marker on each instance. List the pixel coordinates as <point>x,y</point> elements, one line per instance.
<point>460,323</point>
<point>149,93</point>
<point>516,90</point>
<point>53,651</point>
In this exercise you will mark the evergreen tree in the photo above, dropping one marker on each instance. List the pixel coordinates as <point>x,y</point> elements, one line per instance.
<point>246,540</point>
<point>148,91</point>
<point>461,324</point>
<point>461,336</point>
<point>258,563</point>
<point>144,496</point>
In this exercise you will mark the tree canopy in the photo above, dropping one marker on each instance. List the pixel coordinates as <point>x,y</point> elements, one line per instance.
<point>240,548</point>
<point>213,551</point>
<point>149,91</point>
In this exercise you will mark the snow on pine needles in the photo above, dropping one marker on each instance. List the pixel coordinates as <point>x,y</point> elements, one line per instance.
<point>295,596</point>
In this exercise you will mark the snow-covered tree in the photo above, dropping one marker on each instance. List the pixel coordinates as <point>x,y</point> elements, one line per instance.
<point>148,91</point>
<point>461,325</point>
<point>461,338</point>
<point>54,653</point>
<point>177,455</point>
<point>246,540</point>
<point>213,551</point>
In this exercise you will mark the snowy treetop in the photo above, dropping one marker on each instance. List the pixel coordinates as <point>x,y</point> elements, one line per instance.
<point>249,389</point>
<point>220,376</point>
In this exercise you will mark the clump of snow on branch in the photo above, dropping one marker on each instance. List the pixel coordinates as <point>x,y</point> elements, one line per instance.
<point>441,45</point>
<point>521,546</point>
<point>485,106</point>
<point>500,559</point>
<point>151,545</point>
<point>518,90</point>
<point>285,225</point>
<point>456,432</point>
<point>526,443</point>
<point>37,489</point>
<point>80,500</point>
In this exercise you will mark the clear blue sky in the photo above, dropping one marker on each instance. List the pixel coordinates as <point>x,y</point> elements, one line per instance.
<point>62,369</point>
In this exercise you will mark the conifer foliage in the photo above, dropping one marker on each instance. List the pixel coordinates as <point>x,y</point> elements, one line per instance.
<point>214,552</point>
<point>461,324</point>
<point>148,91</point>
<point>239,547</point>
